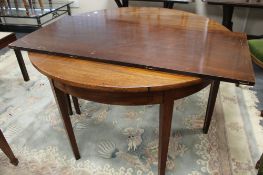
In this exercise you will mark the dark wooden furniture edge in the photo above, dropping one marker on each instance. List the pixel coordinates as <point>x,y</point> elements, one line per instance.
<point>18,28</point>
<point>125,98</point>
<point>208,77</point>
<point>5,42</point>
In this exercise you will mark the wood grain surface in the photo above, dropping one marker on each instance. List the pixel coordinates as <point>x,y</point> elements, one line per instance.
<point>151,38</point>
<point>107,77</point>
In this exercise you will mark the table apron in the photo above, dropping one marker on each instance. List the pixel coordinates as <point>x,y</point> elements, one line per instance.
<point>129,98</point>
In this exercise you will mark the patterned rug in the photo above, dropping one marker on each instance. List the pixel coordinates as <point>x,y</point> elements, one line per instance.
<point>124,140</point>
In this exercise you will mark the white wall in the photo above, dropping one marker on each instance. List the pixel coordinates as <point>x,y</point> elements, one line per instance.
<point>245,20</point>
<point>92,5</point>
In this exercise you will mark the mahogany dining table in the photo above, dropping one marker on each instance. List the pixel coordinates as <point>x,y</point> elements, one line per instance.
<point>137,56</point>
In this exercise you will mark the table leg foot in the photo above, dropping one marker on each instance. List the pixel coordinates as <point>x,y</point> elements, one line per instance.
<point>165,120</point>
<point>211,104</point>
<point>14,161</point>
<point>61,99</point>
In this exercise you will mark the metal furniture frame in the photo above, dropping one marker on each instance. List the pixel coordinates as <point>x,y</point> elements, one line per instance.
<point>26,28</point>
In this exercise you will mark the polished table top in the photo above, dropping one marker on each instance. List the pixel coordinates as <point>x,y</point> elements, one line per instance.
<point>151,38</point>
<point>109,77</point>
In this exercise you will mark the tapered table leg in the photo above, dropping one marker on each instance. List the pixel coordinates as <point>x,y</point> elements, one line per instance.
<point>227,16</point>
<point>76,104</point>
<point>171,5</point>
<point>21,64</point>
<point>211,105</point>
<point>165,4</point>
<point>69,10</point>
<point>7,150</point>
<point>68,102</point>
<point>168,4</point>
<point>61,99</point>
<point>119,4</point>
<point>125,3</point>
<point>165,119</point>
